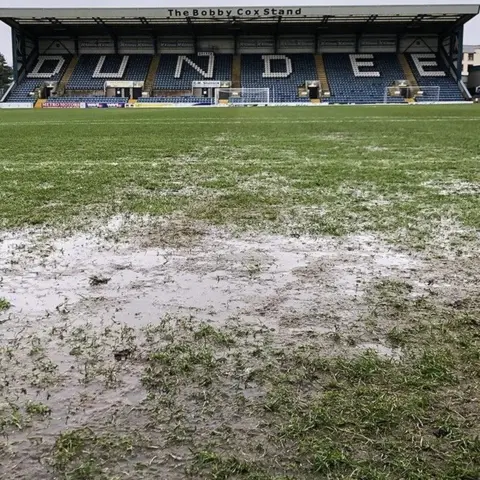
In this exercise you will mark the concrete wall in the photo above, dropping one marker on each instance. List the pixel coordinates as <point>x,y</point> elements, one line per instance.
<point>419,44</point>
<point>474,78</point>
<point>129,45</point>
<point>56,46</point>
<point>136,45</point>
<point>256,44</point>
<point>470,59</point>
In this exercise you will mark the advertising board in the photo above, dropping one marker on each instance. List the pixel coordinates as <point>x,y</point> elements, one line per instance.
<point>171,105</point>
<point>62,105</point>
<point>16,105</point>
<point>105,105</point>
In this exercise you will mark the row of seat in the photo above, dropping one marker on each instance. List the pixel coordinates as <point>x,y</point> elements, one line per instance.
<point>90,68</point>
<point>23,91</point>
<point>182,99</point>
<point>282,74</point>
<point>364,84</point>
<point>177,72</point>
<point>90,99</point>
<point>449,91</point>
<point>353,78</point>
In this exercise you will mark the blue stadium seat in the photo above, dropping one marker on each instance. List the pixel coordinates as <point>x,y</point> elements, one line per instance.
<point>346,87</point>
<point>282,89</point>
<point>449,90</point>
<point>179,99</point>
<point>21,92</point>
<point>82,78</point>
<point>90,99</point>
<point>168,78</point>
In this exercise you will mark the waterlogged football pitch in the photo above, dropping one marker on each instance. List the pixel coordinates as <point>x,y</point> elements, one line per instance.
<point>257,293</point>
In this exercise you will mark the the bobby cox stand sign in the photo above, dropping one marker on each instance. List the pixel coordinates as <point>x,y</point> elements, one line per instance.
<point>234,12</point>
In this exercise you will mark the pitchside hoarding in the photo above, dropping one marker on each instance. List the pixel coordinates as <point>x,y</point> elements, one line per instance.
<point>63,105</point>
<point>15,105</point>
<point>60,104</point>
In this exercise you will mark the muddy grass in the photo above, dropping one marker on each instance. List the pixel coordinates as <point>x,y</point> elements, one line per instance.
<point>168,349</point>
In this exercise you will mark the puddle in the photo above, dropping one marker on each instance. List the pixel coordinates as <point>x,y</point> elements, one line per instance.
<point>216,279</point>
<point>382,350</point>
<point>59,339</point>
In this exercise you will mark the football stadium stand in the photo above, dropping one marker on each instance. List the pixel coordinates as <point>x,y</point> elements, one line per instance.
<point>177,72</point>
<point>92,71</point>
<point>298,55</point>
<point>430,71</point>
<point>361,78</point>
<point>46,68</point>
<point>282,74</point>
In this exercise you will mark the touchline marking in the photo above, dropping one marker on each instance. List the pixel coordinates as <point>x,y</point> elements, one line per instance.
<point>263,121</point>
<point>38,165</point>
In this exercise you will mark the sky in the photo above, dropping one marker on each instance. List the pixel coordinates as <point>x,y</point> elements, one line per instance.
<point>472,29</point>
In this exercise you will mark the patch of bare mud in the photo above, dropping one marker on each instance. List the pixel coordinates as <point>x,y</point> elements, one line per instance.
<point>79,345</point>
<point>262,279</point>
<point>453,241</point>
<point>453,187</point>
<point>292,285</point>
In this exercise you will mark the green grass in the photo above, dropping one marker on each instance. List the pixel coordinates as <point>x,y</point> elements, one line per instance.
<point>81,454</point>
<point>4,304</point>
<point>195,400</point>
<point>319,170</point>
<point>37,408</point>
<point>232,403</point>
<point>363,417</point>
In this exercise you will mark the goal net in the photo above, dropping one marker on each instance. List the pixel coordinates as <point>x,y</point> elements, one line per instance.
<point>419,94</point>
<point>242,96</point>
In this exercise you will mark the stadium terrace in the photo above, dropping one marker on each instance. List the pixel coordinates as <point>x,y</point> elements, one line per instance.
<point>236,56</point>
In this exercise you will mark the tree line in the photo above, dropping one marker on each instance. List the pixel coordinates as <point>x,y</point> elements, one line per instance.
<point>6,73</point>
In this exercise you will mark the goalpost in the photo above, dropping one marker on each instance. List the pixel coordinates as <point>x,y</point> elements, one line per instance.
<point>420,94</point>
<point>242,96</point>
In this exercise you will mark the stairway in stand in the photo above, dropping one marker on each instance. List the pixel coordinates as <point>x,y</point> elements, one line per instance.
<point>67,75</point>
<point>39,103</point>
<point>236,71</point>
<point>152,72</point>
<point>322,75</point>
<point>407,70</point>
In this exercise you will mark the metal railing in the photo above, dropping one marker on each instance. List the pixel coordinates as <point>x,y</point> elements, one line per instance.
<point>7,92</point>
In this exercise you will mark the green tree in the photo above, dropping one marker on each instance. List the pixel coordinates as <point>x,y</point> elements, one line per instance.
<point>6,73</point>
